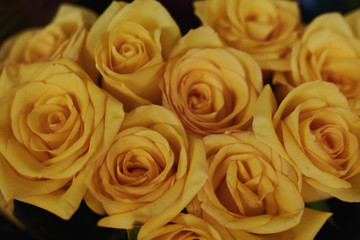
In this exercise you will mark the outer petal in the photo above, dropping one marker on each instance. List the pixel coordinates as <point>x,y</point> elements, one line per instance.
<point>333,21</point>
<point>318,89</point>
<point>263,123</point>
<point>61,202</point>
<point>345,194</point>
<point>310,224</point>
<point>202,37</point>
<point>353,19</point>
<point>185,224</point>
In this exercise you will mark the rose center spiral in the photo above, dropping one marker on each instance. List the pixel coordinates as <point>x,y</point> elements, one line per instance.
<point>56,120</point>
<point>135,166</point>
<point>199,96</point>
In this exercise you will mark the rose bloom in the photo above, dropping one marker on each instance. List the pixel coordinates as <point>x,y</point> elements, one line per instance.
<point>327,51</point>
<point>315,129</point>
<point>63,37</point>
<point>129,43</point>
<point>151,172</point>
<point>266,29</point>
<point>211,88</point>
<point>250,188</point>
<point>54,120</point>
<point>185,226</point>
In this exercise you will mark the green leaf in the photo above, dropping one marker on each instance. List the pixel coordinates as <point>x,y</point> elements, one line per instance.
<point>319,205</point>
<point>133,233</point>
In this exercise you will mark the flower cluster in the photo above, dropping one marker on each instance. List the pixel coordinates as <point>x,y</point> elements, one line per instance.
<point>224,132</point>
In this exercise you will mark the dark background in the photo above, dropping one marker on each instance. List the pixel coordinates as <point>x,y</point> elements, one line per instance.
<point>16,15</point>
<point>19,14</point>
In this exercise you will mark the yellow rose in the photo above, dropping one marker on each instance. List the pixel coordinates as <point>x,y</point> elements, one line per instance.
<point>63,37</point>
<point>185,226</point>
<point>327,51</point>
<point>150,173</point>
<point>266,29</point>
<point>129,43</point>
<point>250,188</point>
<point>315,129</point>
<point>210,87</point>
<point>54,120</point>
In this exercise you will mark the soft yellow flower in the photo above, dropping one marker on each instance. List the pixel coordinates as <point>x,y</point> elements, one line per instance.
<point>329,51</point>
<point>54,120</point>
<point>211,88</point>
<point>250,188</point>
<point>266,29</point>
<point>63,37</point>
<point>129,43</point>
<point>151,172</point>
<point>315,129</point>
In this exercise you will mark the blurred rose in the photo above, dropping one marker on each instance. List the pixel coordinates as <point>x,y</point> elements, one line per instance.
<point>210,87</point>
<point>54,121</point>
<point>353,19</point>
<point>185,226</point>
<point>129,43</point>
<point>151,172</point>
<point>250,188</point>
<point>63,37</point>
<point>327,51</point>
<point>315,129</point>
<point>266,29</point>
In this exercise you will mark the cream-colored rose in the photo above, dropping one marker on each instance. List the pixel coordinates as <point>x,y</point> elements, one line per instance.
<point>327,51</point>
<point>266,29</point>
<point>63,37</point>
<point>315,129</point>
<point>54,120</point>
<point>129,43</point>
<point>250,188</point>
<point>151,172</point>
<point>210,87</point>
<point>185,226</point>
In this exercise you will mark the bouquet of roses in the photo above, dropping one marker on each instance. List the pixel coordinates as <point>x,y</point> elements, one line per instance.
<point>224,132</point>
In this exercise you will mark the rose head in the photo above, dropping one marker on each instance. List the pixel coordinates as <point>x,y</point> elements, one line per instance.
<point>266,29</point>
<point>54,121</point>
<point>129,43</point>
<point>150,173</point>
<point>250,188</point>
<point>210,87</point>
<point>329,51</point>
<point>63,37</point>
<point>315,129</point>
